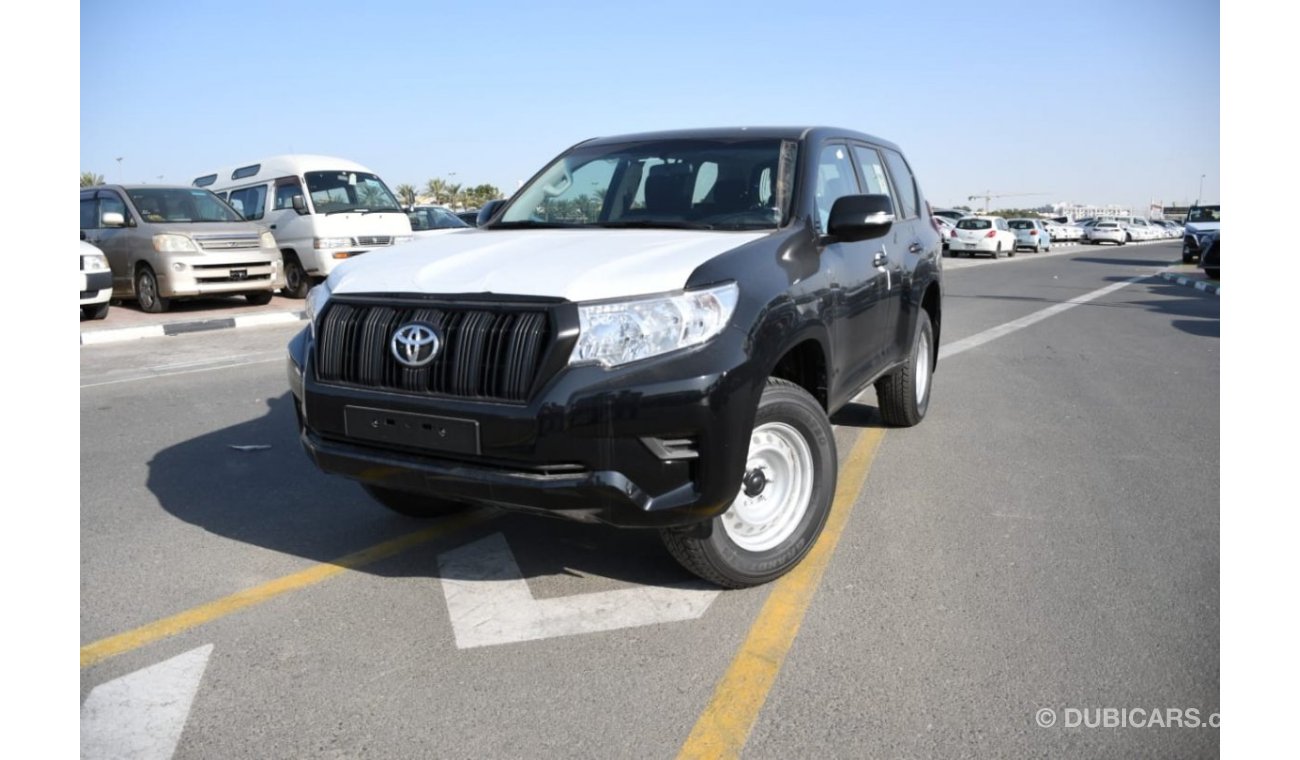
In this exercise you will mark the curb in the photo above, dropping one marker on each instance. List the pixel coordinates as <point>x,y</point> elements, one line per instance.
<point>95,337</point>
<point>1212,289</point>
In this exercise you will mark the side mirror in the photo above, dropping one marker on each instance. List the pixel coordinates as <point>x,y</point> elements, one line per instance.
<point>489,208</point>
<point>860,217</point>
<point>83,234</point>
<point>299,204</point>
<point>112,219</point>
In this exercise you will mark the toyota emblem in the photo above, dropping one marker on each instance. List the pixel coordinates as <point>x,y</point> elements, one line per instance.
<point>415,344</point>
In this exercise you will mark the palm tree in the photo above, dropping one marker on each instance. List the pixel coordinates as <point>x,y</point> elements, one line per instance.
<point>406,194</point>
<point>437,188</point>
<point>455,194</point>
<point>90,179</point>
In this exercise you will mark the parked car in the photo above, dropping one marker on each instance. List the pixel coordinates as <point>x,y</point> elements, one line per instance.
<point>982,234</point>
<point>322,210</point>
<point>469,217</point>
<point>1107,231</point>
<point>1210,255</point>
<point>429,220</point>
<point>166,242</point>
<point>650,333</point>
<point>1202,223</point>
<point>951,214</point>
<point>945,227</point>
<point>1032,234</point>
<point>96,282</point>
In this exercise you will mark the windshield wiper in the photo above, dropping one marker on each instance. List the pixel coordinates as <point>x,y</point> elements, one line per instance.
<point>350,211</point>
<point>652,224</point>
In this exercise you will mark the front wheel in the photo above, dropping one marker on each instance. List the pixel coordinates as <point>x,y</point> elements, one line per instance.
<point>904,394</point>
<point>146,292</point>
<point>782,500</point>
<point>95,310</point>
<point>260,298</point>
<point>296,281</point>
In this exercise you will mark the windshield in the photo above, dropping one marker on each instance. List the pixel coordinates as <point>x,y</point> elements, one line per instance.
<point>1203,214</point>
<point>433,219</point>
<point>160,205</point>
<point>739,184</point>
<point>974,224</point>
<point>337,191</point>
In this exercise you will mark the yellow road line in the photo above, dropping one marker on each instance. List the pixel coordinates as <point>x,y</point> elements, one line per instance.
<point>183,621</point>
<point>724,726</point>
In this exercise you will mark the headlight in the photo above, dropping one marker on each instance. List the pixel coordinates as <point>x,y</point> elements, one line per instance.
<point>317,298</point>
<point>167,243</point>
<point>93,262</point>
<point>625,331</point>
<point>268,240</point>
<point>335,242</point>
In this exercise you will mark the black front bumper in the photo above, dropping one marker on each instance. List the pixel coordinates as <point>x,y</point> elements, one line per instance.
<point>658,443</point>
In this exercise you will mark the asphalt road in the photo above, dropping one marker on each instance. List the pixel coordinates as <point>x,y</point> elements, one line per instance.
<point>1047,539</point>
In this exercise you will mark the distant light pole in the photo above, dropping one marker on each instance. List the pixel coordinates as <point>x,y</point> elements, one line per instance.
<point>119,168</point>
<point>1199,188</point>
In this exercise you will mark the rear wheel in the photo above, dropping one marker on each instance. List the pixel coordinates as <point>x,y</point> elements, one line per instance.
<point>146,291</point>
<point>1212,273</point>
<point>904,394</point>
<point>413,504</point>
<point>782,500</point>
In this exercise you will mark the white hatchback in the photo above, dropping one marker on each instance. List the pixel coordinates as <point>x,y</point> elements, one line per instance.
<point>1106,231</point>
<point>982,234</point>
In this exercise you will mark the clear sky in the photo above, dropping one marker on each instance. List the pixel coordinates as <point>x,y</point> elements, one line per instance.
<point>1099,102</point>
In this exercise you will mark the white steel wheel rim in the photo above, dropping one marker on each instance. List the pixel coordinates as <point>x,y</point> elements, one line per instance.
<point>760,521</point>
<point>922,367</point>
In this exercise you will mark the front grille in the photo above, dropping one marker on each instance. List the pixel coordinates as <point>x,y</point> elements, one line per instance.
<point>375,240</point>
<point>486,354</point>
<point>232,242</point>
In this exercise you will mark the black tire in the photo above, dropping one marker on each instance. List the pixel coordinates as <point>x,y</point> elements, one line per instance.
<point>711,553</point>
<point>901,405</point>
<point>296,281</point>
<point>146,292</point>
<point>260,298</point>
<point>1212,273</point>
<point>413,504</point>
<point>95,310</point>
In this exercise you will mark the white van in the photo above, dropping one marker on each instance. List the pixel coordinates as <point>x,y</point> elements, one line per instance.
<point>346,211</point>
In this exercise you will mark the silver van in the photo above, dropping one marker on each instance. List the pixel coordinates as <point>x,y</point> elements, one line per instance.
<point>167,242</point>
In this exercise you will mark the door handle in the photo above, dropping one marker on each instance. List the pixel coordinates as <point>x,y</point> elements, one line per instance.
<point>880,259</point>
<point>914,248</point>
<point>273,226</point>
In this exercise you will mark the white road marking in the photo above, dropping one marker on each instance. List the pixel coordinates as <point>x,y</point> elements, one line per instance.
<point>993,333</point>
<point>489,601</point>
<point>142,714</point>
<point>161,372</point>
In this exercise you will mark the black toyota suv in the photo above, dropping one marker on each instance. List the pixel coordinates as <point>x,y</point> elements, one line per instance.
<point>652,332</point>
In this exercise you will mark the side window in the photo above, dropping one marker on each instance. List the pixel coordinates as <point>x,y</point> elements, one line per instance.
<point>835,179</point>
<point>284,192</point>
<point>250,201</point>
<point>873,173</point>
<point>89,209</point>
<point>906,184</point>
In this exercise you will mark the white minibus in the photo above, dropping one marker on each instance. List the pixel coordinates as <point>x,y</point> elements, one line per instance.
<point>344,211</point>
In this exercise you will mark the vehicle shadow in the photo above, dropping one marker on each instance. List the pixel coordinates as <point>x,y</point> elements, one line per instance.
<point>271,495</point>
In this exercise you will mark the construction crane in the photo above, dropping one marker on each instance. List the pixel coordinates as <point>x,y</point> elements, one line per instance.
<point>988,195</point>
